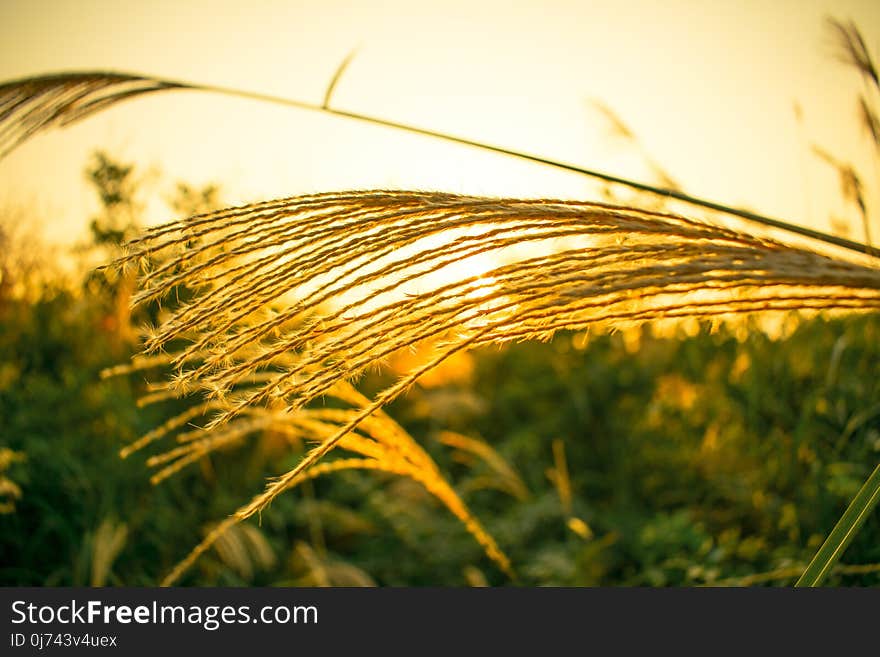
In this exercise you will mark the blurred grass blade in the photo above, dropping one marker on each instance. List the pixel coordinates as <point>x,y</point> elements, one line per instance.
<point>847,527</point>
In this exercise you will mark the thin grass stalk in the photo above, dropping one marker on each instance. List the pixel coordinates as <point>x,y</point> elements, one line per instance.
<point>22,115</point>
<point>843,533</point>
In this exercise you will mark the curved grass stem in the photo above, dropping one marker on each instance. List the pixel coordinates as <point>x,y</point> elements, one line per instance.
<point>24,111</point>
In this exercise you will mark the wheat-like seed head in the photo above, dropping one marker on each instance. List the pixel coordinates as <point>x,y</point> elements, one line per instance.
<point>380,445</point>
<point>297,296</point>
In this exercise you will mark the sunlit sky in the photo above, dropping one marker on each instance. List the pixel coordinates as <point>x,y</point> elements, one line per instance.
<point>708,88</point>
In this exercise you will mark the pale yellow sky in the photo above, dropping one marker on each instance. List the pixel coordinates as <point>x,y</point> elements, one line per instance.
<point>707,86</point>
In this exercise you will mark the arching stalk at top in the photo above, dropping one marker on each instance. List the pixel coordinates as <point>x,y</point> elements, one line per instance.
<point>30,105</point>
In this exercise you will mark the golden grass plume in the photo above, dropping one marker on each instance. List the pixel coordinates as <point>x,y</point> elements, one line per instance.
<point>378,444</point>
<point>30,105</point>
<point>295,297</point>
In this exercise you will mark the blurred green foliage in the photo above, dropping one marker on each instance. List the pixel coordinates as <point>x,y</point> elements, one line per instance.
<point>689,459</point>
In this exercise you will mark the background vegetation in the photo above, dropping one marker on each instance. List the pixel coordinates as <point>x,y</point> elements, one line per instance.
<point>676,454</point>
<point>702,455</point>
